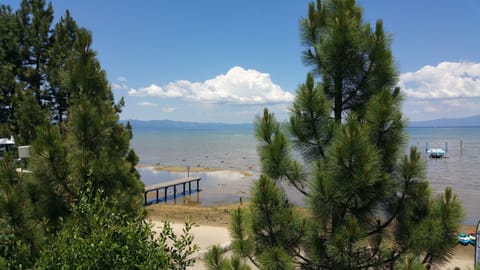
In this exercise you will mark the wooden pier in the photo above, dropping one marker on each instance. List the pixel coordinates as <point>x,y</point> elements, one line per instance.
<point>174,184</point>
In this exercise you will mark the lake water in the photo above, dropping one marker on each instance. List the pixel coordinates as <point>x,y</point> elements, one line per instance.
<point>234,150</point>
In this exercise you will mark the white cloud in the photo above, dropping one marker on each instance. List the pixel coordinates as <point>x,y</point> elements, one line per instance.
<point>430,108</point>
<point>168,109</point>
<point>120,84</point>
<point>446,80</point>
<point>450,89</point>
<point>236,86</point>
<point>122,79</point>
<point>117,86</point>
<point>146,104</point>
<point>155,90</point>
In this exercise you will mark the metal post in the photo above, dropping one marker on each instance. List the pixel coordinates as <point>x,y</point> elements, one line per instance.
<point>166,194</point>
<point>157,194</point>
<point>461,148</point>
<point>477,247</point>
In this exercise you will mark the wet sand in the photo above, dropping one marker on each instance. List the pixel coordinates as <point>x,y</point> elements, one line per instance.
<point>196,169</point>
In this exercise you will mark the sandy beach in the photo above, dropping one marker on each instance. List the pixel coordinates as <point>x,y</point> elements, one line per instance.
<point>183,169</point>
<point>213,223</point>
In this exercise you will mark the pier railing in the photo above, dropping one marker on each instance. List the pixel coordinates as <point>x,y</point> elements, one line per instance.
<point>166,185</point>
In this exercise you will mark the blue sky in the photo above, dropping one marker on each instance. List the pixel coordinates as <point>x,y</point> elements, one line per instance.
<point>224,61</point>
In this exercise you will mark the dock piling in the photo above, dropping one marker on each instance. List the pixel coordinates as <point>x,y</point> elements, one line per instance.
<point>166,185</point>
<point>461,148</point>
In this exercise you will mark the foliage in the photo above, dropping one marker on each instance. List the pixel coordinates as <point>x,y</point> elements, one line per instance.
<point>8,85</point>
<point>91,146</point>
<point>97,146</point>
<point>370,205</point>
<point>54,95</point>
<point>20,234</point>
<point>33,52</point>
<point>97,236</point>
<point>353,61</point>
<point>51,183</point>
<point>410,262</point>
<point>214,260</point>
<point>28,117</point>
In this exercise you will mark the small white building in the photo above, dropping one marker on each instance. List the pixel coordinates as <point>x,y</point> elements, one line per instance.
<point>6,144</point>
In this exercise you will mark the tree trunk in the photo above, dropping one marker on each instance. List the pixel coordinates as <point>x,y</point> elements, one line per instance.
<point>338,99</point>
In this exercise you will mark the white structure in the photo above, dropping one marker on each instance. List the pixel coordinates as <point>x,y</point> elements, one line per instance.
<point>24,151</point>
<point>436,152</point>
<point>6,144</point>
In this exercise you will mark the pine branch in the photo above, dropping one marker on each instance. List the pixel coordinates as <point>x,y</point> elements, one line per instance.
<point>252,260</point>
<point>397,209</point>
<point>294,183</point>
<point>392,217</point>
<point>354,92</point>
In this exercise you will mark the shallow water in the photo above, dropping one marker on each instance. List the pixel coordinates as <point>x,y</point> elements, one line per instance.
<point>216,188</point>
<point>235,150</point>
<point>461,170</point>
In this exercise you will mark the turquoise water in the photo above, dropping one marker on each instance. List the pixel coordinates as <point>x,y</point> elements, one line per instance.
<point>235,150</point>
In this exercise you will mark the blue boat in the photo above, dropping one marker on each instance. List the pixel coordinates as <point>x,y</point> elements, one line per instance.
<point>463,239</point>
<point>467,238</point>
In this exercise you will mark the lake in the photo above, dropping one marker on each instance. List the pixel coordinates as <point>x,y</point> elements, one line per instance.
<point>234,150</point>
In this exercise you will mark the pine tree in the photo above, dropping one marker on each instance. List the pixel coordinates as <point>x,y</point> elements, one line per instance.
<point>21,235</point>
<point>8,64</point>
<point>28,115</point>
<point>91,148</point>
<point>34,22</point>
<point>97,145</point>
<point>369,204</point>
<point>52,188</point>
<point>63,38</point>
<point>32,55</point>
<point>353,61</point>
<point>82,179</point>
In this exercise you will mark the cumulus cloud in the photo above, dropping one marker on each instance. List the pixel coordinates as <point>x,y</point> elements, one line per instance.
<point>122,79</point>
<point>120,84</point>
<point>446,80</point>
<point>146,104</point>
<point>168,109</point>
<point>238,85</point>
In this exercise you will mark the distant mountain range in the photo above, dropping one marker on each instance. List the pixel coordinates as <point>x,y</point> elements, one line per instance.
<point>472,121</point>
<point>177,125</point>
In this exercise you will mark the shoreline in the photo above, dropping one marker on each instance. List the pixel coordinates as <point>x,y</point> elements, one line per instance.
<point>201,215</point>
<point>197,169</point>
<point>212,228</point>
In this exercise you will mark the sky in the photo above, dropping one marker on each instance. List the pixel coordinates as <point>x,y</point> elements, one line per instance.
<point>224,61</point>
